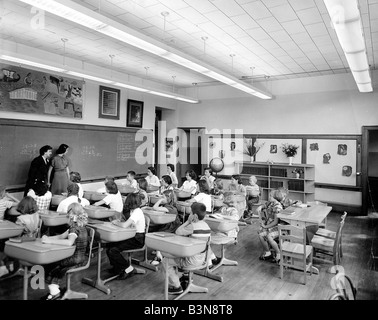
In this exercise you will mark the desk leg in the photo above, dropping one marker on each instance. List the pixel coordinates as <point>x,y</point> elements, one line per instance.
<point>208,274</point>
<point>98,283</point>
<point>144,263</point>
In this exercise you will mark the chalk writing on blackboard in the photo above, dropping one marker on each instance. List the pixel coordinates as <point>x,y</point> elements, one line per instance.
<point>125,147</point>
<point>90,151</point>
<point>29,150</point>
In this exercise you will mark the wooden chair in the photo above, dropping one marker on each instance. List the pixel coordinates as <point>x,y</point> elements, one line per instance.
<point>319,203</point>
<point>323,232</point>
<point>191,286</point>
<point>293,249</point>
<point>70,294</point>
<point>329,247</point>
<point>131,251</point>
<point>345,290</point>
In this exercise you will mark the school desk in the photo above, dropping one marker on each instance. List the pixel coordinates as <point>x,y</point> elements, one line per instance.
<point>174,246</point>
<point>158,217</point>
<point>153,198</point>
<point>99,212</point>
<point>309,217</point>
<point>93,196</point>
<point>56,199</point>
<point>182,195</point>
<point>125,189</point>
<point>9,229</point>
<point>106,232</point>
<point>36,253</point>
<point>52,218</point>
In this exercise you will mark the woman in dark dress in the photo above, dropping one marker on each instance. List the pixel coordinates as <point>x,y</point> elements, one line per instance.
<point>61,165</point>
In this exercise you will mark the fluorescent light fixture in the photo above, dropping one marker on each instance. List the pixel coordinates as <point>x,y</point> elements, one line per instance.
<point>88,76</point>
<point>77,13</point>
<point>31,63</point>
<point>346,20</point>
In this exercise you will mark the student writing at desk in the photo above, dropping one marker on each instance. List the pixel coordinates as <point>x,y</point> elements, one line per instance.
<point>113,199</point>
<point>133,216</point>
<point>190,185</point>
<point>194,227</point>
<point>76,235</point>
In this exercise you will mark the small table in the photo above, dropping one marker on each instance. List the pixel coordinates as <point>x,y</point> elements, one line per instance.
<point>305,218</point>
<point>36,253</point>
<point>106,232</point>
<point>173,246</point>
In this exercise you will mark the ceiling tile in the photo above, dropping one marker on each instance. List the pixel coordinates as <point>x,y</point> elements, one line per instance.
<point>293,27</point>
<point>284,13</point>
<point>257,10</point>
<point>302,4</point>
<point>269,24</point>
<point>228,7</point>
<point>310,16</point>
<point>258,34</point>
<point>245,21</point>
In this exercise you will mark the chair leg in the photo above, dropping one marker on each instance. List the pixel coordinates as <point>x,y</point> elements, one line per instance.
<point>192,288</point>
<point>26,282</point>
<point>73,295</point>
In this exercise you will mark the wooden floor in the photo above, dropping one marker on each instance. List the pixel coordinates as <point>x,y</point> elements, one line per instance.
<point>252,279</point>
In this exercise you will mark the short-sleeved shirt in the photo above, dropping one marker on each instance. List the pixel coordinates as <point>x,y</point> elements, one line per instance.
<point>174,178</point>
<point>30,222</point>
<point>137,216</point>
<point>43,202</point>
<point>205,199</point>
<point>162,189</point>
<point>64,204</point>
<point>153,181</point>
<point>4,205</point>
<point>81,243</point>
<point>114,201</point>
<point>187,185</point>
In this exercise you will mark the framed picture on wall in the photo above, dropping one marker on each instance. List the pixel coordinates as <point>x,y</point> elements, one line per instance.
<point>134,113</point>
<point>109,103</point>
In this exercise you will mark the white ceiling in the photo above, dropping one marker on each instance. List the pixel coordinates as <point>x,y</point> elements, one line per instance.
<point>276,38</point>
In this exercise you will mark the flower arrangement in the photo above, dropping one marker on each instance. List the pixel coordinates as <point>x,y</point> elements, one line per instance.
<point>289,149</point>
<point>252,149</point>
<point>298,170</point>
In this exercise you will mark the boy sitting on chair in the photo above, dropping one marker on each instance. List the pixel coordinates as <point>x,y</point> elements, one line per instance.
<point>194,227</point>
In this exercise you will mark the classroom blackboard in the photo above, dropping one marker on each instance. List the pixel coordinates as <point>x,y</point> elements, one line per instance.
<point>95,151</point>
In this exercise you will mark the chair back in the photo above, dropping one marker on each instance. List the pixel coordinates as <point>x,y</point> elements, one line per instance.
<point>291,234</point>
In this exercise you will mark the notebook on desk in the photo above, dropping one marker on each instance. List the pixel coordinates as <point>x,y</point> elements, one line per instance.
<point>163,234</point>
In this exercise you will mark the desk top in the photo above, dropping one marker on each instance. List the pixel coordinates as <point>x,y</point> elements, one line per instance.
<point>53,218</point>
<point>9,229</point>
<point>158,217</point>
<point>109,232</point>
<point>36,252</point>
<point>220,224</point>
<point>313,214</point>
<point>99,212</point>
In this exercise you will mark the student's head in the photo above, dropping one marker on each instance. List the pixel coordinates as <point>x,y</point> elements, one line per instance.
<point>232,145</point>
<point>75,177</point>
<point>252,180</point>
<point>208,171</point>
<point>166,180</point>
<point>203,186</point>
<point>170,168</point>
<point>190,175</point>
<point>218,184</point>
<point>130,176</point>
<point>142,183</point>
<point>27,206</point>
<point>229,199</point>
<point>151,171</point>
<point>40,188</point>
<point>77,215</point>
<point>46,151</point>
<point>199,209</point>
<point>111,187</point>
<point>109,178</point>
<point>2,191</point>
<point>170,197</point>
<point>62,149</point>
<point>281,194</point>
<point>72,189</point>
<point>132,202</point>
<point>236,179</point>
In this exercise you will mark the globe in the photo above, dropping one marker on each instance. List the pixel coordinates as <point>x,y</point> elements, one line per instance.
<point>216,164</point>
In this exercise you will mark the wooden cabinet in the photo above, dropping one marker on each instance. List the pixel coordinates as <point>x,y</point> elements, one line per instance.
<point>273,176</point>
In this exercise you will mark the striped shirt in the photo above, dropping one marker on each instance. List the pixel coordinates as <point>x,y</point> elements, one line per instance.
<point>4,205</point>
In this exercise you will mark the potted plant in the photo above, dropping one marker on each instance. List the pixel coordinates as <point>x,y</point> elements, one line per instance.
<point>252,149</point>
<point>290,150</point>
<point>298,172</point>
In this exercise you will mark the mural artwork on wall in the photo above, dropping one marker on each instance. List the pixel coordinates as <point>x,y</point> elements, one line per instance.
<point>342,149</point>
<point>29,91</point>
<point>314,147</point>
<point>326,158</point>
<point>273,148</point>
<point>347,171</point>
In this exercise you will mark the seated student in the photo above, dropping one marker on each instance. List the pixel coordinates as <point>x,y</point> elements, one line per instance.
<point>130,179</point>
<point>152,179</point>
<point>5,202</point>
<point>190,185</point>
<point>195,227</point>
<point>236,185</point>
<point>76,178</point>
<point>208,177</point>
<point>166,204</point>
<point>134,216</point>
<point>230,212</point>
<point>103,189</point>
<point>286,202</point>
<point>172,174</point>
<point>166,183</point>
<point>253,195</point>
<point>113,199</point>
<point>218,189</point>
<point>72,197</point>
<point>42,196</point>
<point>29,217</point>
<point>268,230</point>
<point>142,191</point>
<point>76,235</point>
<point>203,195</point>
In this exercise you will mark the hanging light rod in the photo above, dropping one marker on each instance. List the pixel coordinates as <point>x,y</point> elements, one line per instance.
<point>81,15</point>
<point>90,76</point>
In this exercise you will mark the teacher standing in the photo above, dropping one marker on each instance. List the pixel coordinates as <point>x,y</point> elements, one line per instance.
<point>39,168</point>
<point>61,165</point>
